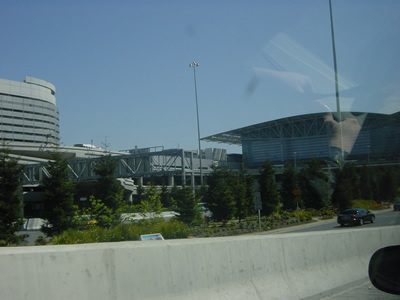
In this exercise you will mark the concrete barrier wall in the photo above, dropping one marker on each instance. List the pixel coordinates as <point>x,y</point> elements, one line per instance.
<point>286,266</point>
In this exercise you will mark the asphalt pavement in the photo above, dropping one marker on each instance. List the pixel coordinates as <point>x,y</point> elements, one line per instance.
<point>32,235</point>
<point>364,290</point>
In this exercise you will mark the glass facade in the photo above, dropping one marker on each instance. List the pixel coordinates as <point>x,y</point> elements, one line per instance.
<point>301,138</point>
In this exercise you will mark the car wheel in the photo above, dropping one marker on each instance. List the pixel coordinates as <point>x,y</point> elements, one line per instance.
<point>373,220</point>
<point>361,222</point>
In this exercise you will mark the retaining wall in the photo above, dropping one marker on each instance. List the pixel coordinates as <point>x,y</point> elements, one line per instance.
<point>285,266</point>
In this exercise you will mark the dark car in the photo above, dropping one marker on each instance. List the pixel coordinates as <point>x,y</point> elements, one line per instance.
<point>355,216</point>
<point>396,206</point>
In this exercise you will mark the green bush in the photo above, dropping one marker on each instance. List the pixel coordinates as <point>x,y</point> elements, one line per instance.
<point>172,229</point>
<point>302,215</point>
<point>328,212</point>
<point>360,203</point>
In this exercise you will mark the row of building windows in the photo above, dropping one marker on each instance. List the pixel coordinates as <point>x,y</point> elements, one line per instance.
<point>25,116</point>
<point>37,112</point>
<point>32,104</point>
<point>34,141</point>
<point>28,127</point>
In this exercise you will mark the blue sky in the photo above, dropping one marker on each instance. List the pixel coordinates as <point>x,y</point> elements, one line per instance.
<point>122,76</point>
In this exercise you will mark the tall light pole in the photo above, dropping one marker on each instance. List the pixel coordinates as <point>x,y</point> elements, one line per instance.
<point>339,113</point>
<point>194,65</point>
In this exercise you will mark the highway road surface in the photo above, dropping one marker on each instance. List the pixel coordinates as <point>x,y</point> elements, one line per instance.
<point>383,218</point>
<point>364,290</point>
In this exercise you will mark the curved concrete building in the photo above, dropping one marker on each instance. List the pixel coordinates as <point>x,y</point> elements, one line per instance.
<point>28,112</point>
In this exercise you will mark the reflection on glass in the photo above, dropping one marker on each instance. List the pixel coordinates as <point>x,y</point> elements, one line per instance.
<point>296,80</point>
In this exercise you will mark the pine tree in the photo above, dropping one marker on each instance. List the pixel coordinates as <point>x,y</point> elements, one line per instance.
<point>347,186</point>
<point>314,185</point>
<point>108,189</point>
<point>187,205</point>
<point>241,200</point>
<point>366,182</point>
<point>268,189</point>
<point>220,196</point>
<point>289,186</point>
<point>388,184</point>
<point>243,185</point>
<point>10,199</point>
<point>60,212</point>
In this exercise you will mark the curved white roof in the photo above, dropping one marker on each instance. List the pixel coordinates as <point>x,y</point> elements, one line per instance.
<point>31,88</point>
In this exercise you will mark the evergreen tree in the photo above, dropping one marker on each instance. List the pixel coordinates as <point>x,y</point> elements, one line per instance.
<point>242,185</point>
<point>187,206</point>
<point>388,184</point>
<point>239,192</point>
<point>166,198</point>
<point>354,177</point>
<point>10,200</point>
<point>347,186</point>
<point>289,186</point>
<point>342,195</point>
<point>268,189</point>
<point>220,197</point>
<point>314,185</point>
<point>59,210</point>
<point>140,191</point>
<point>108,189</point>
<point>366,183</point>
<point>249,179</point>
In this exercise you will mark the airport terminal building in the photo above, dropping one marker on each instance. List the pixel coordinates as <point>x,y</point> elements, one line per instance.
<point>29,127</point>
<point>28,112</point>
<point>29,121</point>
<point>301,138</point>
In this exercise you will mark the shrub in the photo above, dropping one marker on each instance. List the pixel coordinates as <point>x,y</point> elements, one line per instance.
<point>378,206</point>
<point>328,212</point>
<point>360,203</point>
<point>302,215</point>
<point>40,241</point>
<point>172,229</point>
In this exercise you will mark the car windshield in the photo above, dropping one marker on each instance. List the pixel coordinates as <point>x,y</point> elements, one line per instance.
<point>232,117</point>
<point>309,88</point>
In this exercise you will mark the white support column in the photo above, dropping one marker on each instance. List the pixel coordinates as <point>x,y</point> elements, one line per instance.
<point>183,168</point>
<point>171,181</point>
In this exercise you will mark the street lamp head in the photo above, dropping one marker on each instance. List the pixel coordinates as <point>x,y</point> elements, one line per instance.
<point>194,64</point>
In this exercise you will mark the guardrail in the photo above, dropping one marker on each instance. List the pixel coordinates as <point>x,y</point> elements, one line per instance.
<point>289,266</point>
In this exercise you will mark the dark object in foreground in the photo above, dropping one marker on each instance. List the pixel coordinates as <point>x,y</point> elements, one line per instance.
<point>384,269</point>
<point>355,216</point>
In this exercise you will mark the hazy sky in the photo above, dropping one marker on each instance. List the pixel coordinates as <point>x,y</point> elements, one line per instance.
<point>121,68</point>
